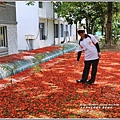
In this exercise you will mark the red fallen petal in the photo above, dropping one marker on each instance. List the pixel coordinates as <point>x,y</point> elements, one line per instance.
<point>54,92</point>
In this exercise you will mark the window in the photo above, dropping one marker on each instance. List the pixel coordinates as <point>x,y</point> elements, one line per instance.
<point>70,30</point>
<point>3,36</point>
<point>56,30</point>
<point>40,5</point>
<point>42,31</point>
<point>66,27</point>
<point>62,30</point>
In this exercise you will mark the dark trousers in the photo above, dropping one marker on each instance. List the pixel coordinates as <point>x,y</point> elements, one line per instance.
<point>86,70</point>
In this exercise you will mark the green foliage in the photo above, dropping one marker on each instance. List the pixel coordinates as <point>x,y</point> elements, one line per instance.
<point>116,28</point>
<point>37,68</point>
<point>63,48</point>
<point>65,10</point>
<point>30,3</point>
<point>76,11</point>
<point>102,40</point>
<point>95,13</point>
<point>39,58</point>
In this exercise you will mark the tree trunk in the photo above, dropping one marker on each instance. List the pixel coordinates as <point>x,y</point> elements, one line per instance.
<point>102,29</point>
<point>109,24</point>
<point>87,25</point>
<point>106,34</point>
<point>105,28</point>
<point>76,32</point>
<point>92,28</point>
<point>103,25</point>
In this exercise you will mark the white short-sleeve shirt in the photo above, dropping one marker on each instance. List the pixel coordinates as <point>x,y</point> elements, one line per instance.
<point>88,45</point>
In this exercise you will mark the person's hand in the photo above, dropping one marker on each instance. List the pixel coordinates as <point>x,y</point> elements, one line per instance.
<point>99,54</point>
<point>76,62</point>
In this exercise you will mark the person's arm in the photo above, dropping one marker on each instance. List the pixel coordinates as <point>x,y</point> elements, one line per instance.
<point>98,49</point>
<point>78,57</point>
<point>95,42</point>
<point>79,51</point>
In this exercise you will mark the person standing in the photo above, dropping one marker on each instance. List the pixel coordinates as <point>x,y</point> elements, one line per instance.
<point>89,44</point>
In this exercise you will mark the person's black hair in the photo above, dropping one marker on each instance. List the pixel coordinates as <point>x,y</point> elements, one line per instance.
<point>81,31</point>
<point>86,35</point>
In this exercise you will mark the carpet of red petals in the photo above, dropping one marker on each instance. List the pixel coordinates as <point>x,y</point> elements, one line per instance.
<point>54,93</point>
<point>20,55</point>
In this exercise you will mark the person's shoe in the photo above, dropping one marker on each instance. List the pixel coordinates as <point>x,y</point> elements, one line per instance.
<point>89,82</point>
<point>80,81</point>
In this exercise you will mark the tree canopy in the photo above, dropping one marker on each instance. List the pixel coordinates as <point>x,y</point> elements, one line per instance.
<point>98,15</point>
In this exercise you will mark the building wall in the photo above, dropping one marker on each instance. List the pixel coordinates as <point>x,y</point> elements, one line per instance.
<point>12,39</point>
<point>49,33</point>
<point>29,19</point>
<point>8,13</point>
<point>28,24</point>
<point>8,19</point>
<point>73,31</point>
<point>46,16</point>
<point>47,10</point>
